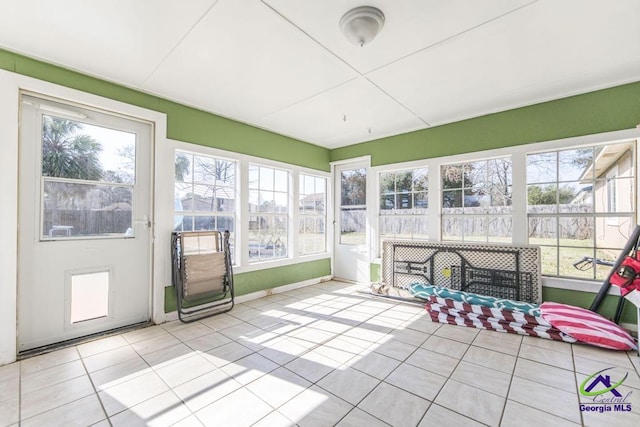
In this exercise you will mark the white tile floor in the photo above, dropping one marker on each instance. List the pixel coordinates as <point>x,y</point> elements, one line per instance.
<point>321,355</point>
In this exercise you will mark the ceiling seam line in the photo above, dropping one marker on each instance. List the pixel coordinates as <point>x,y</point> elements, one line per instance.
<point>361,75</point>
<point>312,96</point>
<point>439,42</point>
<point>398,102</point>
<point>186,34</point>
<point>326,49</point>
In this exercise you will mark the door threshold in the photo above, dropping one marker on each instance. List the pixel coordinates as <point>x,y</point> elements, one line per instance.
<point>80,340</point>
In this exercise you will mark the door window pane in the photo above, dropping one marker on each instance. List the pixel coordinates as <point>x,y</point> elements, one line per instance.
<point>88,174</point>
<point>353,209</point>
<point>75,150</point>
<point>83,209</point>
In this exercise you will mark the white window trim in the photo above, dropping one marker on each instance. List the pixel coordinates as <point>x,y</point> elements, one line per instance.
<point>376,202</point>
<point>242,205</point>
<point>518,156</point>
<point>213,213</point>
<point>612,196</point>
<point>296,209</point>
<point>291,191</point>
<point>485,216</point>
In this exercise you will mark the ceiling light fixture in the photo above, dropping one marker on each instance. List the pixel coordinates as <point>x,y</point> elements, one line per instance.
<point>362,24</point>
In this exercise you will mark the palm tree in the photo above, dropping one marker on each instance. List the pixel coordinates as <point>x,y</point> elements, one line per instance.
<point>66,153</point>
<point>182,167</point>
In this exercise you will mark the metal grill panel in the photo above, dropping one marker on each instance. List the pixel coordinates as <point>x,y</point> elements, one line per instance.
<point>504,271</point>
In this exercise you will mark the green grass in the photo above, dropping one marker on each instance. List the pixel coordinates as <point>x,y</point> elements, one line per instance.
<point>558,261</point>
<point>557,257</point>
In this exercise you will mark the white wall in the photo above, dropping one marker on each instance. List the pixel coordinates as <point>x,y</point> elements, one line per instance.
<point>8,214</point>
<point>10,86</point>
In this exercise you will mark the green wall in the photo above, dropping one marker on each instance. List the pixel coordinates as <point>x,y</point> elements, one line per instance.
<point>254,281</point>
<point>198,127</point>
<point>183,123</point>
<point>375,272</point>
<point>606,110</point>
<point>612,109</point>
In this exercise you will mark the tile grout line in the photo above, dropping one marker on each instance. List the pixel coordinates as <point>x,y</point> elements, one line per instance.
<point>334,369</point>
<point>182,402</point>
<point>20,386</point>
<point>316,345</point>
<point>370,391</point>
<point>19,392</point>
<point>154,371</point>
<point>513,374</point>
<point>433,402</point>
<point>95,390</point>
<point>332,335</point>
<point>575,379</point>
<point>536,382</point>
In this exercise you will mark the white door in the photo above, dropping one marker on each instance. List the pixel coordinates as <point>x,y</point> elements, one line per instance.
<point>84,244</point>
<point>351,252</point>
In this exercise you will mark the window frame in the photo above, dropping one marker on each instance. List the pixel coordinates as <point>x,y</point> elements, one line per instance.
<point>314,214</point>
<point>484,216</point>
<point>241,259</point>
<point>599,218</point>
<point>274,214</point>
<point>400,213</point>
<point>518,155</point>
<point>99,121</point>
<point>194,214</point>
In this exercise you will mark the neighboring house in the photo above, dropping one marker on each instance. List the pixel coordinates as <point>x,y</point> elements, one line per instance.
<point>612,192</point>
<point>206,199</point>
<point>312,202</point>
<point>584,196</point>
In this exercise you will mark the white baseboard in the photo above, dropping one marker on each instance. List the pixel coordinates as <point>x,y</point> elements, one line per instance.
<point>171,316</point>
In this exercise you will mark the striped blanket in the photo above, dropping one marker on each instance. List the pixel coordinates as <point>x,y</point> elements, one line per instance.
<point>446,310</point>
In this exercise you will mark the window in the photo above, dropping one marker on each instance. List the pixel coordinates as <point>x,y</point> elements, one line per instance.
<point>581,207</point>
<point>205,193</point>
<point>88,178</point>
<point>404,204</point>
<point>268,213</point>
<point>312,215</point>
<point>476,201</point>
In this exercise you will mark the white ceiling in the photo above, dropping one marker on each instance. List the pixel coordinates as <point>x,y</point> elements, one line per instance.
<point>283,65</point>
